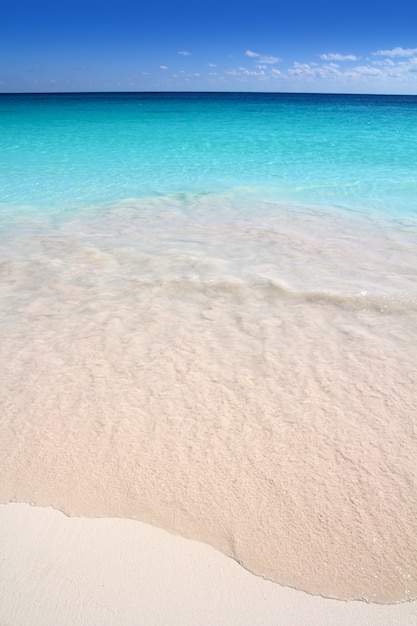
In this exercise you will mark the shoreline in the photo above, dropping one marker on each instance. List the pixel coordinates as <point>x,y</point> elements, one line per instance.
<point>69,570</point>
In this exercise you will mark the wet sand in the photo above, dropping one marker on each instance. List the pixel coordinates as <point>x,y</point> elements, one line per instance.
<point>162,375</point>
<point>67,571</point>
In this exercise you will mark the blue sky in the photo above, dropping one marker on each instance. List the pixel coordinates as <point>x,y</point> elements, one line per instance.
<point>349,46</point>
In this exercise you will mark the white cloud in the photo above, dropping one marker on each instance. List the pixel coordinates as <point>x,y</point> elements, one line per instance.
<point>365,71</point>
<point>184,53</point>
<point>384,62</point>
<point>334,56</point>
<point>397,52</point>
<point>384,71</point>
<point>270,60</point>
<point>381,73</point>
<point>332,71</point>
<point>243,71</point>
<point>301,70</point>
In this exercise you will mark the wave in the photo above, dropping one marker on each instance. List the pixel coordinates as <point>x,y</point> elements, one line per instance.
<point>267,290</point>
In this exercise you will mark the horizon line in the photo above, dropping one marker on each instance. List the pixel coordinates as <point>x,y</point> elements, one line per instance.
<point>204,91</point>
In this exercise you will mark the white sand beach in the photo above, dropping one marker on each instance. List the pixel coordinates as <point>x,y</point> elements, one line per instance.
<point>208,325</point>
<point>73,571</point>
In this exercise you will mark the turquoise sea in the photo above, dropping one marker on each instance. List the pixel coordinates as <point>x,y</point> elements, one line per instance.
<point>208,322</point>
<point>71,150</point>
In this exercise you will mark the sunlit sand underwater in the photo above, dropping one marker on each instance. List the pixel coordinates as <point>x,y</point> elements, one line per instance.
<point>208,323</point>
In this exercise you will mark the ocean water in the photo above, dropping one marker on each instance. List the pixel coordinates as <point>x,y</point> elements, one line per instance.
<point>209,323</point>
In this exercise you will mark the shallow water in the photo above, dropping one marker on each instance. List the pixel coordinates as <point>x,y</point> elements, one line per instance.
<point>234,362</point>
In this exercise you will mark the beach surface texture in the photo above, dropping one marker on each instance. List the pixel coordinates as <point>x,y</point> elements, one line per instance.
<point>60,570</point>
<point>209,325</point>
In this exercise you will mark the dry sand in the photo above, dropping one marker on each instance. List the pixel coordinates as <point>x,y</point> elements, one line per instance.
<point>78,571</point>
